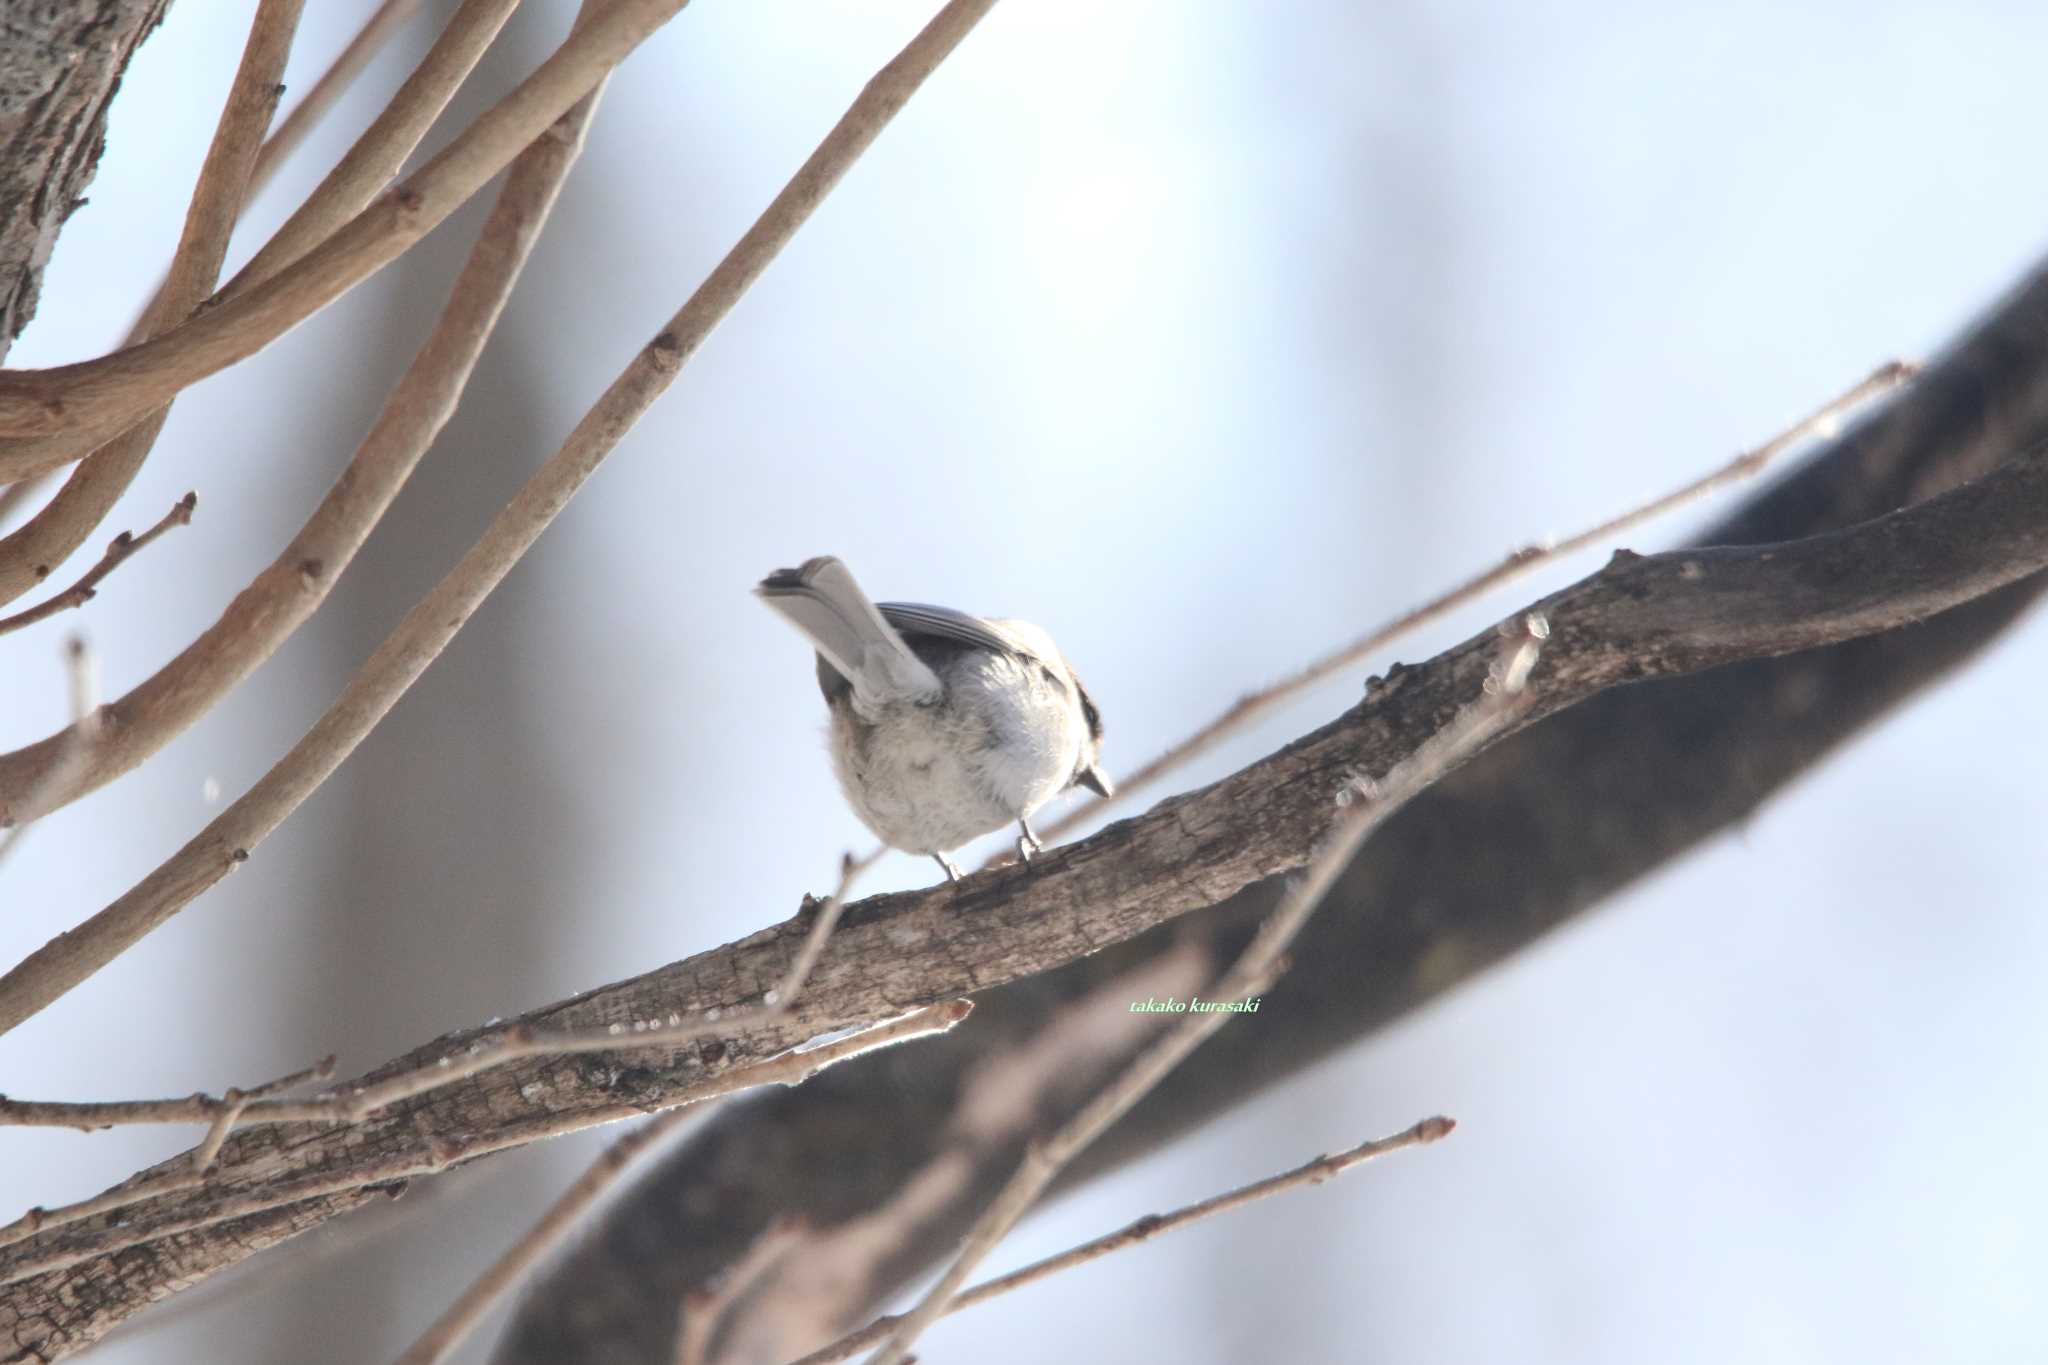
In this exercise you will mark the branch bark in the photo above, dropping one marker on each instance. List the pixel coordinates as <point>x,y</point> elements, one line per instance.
<point>1517,843</point>
<point>59,68</point>
<point>1640,617</point>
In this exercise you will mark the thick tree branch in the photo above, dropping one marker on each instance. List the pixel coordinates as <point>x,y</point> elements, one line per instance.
<point>1536,831</point>
<point>59,68</point>
<point>1640,617</point>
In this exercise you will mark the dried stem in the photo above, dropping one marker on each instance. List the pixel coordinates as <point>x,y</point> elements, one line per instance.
<point>427,629</point>
<point>118,552</point>
<point>794,1068</point>
<point>1470,730</point>
<point>1143,1230</point>
<point>1247,708</point>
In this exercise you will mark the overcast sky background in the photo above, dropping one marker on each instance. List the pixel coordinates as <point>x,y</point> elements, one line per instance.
<point>1205,335</point>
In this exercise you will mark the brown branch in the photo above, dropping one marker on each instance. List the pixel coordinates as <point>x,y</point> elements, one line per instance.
<point>122,386</point>
<point>1143,1230</point>
<point>60,66</point>
<point>381,151</point>
<point>119,550</point>
<point>1535,833</point>
<point>341,73</point>
<point>62,526</point>
<point>791,1069</point>
<point>185,1172</point>
<point>294,584</point>
<point>1638,618</point>
<point>1502,697</point>
<point>1821,421</point>
<point>82,675</point>
<point>367,168</point>
<point>158,709</point>
<point>89,494</point>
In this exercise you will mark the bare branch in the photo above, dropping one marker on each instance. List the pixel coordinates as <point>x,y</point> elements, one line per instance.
<point>180,1173</point>
<point>340,74</point>
<point>794,1068</point>
<point>1640,617</point>
<point>82,675</point>
<point>147,712</point>
<point>118,552</point>
<point>1494,711</point>
<point>128,383</point>
<point>294,584</point>
<point>89,494</point>
<point>1143,1230</point>
<point>1820,422</point>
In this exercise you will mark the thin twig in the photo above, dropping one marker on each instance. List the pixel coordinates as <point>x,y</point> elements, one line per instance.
<point>63,524</point>
<point>352,1105</point>
<point>702,1309</point>
<point>795,1068</point>
<point>293,585</point>
<point>1255,969</point>
<point>341,73</point>
<point>392,136</point>
<point>1143,1230</point>
<point>82,676</point>
<point>170,1177</point>
<point>433,622</point>
<point>1529,557</point>
<point>118,551</point>
<point>129,382</point>
<point>519,1043</point>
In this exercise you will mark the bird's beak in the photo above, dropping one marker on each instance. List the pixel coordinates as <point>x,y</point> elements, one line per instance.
<point>1095,780</point>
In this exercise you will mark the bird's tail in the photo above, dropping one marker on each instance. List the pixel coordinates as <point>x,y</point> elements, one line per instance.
<point>822,600</point>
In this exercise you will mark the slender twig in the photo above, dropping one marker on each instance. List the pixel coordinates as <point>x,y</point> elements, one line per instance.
<point>1143,1230</point>
<point>795,1068</point>
<point>1819,422</point>
<point>297,581</point>
<point>129,382</point>
<point>118,552</point>
<point>367,168</point>
<point>426,630</point>
<point>519,1043</point>
<point>703,1308</point>
<point>392,136</point>
<point>179,1174</point>
<point>1255,969</point>
<point>82,677</point>
<point>353,1104</point>
<point>341,73</point>
<point>63,524</point>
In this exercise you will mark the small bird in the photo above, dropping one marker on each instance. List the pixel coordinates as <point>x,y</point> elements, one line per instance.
<point>945,726</point>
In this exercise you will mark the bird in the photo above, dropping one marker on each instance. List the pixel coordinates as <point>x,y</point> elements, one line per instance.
<point>944,726</point>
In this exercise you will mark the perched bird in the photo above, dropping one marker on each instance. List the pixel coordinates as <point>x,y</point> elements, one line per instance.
<point>945,726</point>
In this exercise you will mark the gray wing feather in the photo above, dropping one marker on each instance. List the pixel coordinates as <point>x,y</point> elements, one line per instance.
<point>921,618</point>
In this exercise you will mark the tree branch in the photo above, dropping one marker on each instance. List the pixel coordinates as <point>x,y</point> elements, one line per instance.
<point>1640,617</point>
<point>1518,842</point>
<point>59,70</point>
<point>89,494</point>
<point>119,551</point>
<point>162,706</point>
<point>122,386</point>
